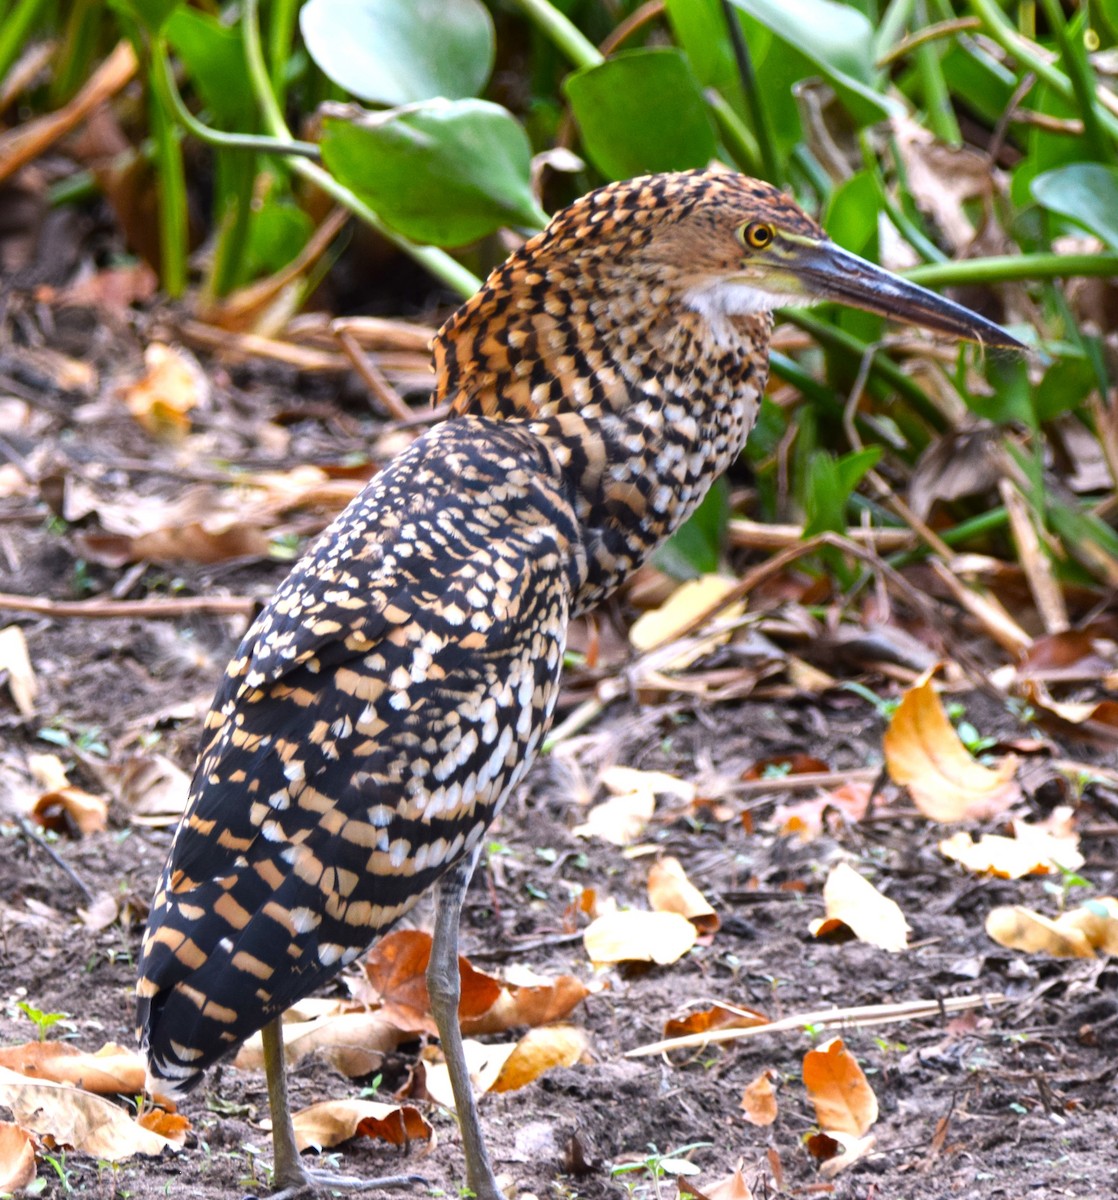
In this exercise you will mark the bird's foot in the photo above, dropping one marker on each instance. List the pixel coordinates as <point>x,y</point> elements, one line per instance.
<point>310,1182</point>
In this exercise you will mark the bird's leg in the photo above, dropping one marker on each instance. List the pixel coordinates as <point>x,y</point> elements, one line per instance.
<point>289,1174</point>
<point>444,987</point>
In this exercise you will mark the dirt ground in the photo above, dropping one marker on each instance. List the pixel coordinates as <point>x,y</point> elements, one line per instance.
<point>1015,1100</point>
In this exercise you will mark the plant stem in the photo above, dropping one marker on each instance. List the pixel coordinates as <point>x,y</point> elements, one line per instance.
<point>440,264</point>
<point>562,31</point>
<point>1007,268</point>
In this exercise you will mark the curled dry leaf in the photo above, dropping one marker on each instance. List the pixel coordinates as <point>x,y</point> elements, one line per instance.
<point>1094,721</point>
<point>112,1070</point>
<point>172,386</point>
<point>718,1016</point>
<point>837,1151</point>
<point>1031,851</point>
<point>541,1050</point>
<point>805,818</point>
<point>686,604</point>
<point>669,890</point>
<point>1097,920</point>
<point>17,1158</point>
<point>332,1122</point>
<point>153,789</point>
<point>758,1101</point>
<point>354,1042</point>
<point>870,916</point>
<point>923,753</point>
<point>844,1101</point>
<point>77,1119</point>
<point>71,808</point>
<point>15,663</point>
<point>484,1061</point>
<point>1019,928</point>
<point>634,936</point>
<point>620,820</point>
<point>729,1187</point>
<point>171,1125</point>
<point>529,1000</point>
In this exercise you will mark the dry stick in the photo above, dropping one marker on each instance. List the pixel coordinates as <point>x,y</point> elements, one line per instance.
<point>387,396</point>
<point>1036,564</point>
<point>805,780</point>
<point>32,835</point>
<point>99,610</point>
<point>828,1018</point>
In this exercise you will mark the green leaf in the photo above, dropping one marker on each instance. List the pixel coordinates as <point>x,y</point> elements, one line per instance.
<point>152,14</point>
<point>640,112</point>
<point>696,546</point>
<point>839,42</point>
<point>1086,193</point>
<point>446,172</point>
<point>214,56</point>
<point>1065,386</point>
<point>401,51</point>
<point>1012,400</point>
<point>851,217</point>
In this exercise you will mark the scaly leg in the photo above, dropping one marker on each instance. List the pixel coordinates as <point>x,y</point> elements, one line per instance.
<point>291,1176</point>
<point>444,986</point>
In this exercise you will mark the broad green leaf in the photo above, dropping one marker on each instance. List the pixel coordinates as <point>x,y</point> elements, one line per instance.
<point>278,231</point>
<point>152,14</point>
<point>214,56</point>
<point>401,51</point>
<point>1086,193</point>
<point>1065,386</point>
<point>641,112</point>
<point>851,217</point>
<point>696,546</point>
<point>1012,399</point>
<point>839,42</point>
<point>447,172</point>
<point>977,79</point>
<point>700,28</point>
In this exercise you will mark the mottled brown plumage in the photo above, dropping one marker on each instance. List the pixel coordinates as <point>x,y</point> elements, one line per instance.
<point>382,707</point>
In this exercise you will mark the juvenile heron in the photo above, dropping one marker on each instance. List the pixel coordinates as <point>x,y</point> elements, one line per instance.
<point>383,706</point>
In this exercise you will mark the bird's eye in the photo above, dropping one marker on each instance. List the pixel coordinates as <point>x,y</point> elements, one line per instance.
<point>756,235</point>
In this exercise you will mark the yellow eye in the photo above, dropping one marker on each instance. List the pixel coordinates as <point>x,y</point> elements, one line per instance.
<point>756,235</point>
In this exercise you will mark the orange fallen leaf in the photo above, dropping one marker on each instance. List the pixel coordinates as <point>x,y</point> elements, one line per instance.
<point>844,1101</point>
<point>923,753</point>
<point>729,1187</point>
<point>77,1119</point>
<point>331,1122</point>
<point>17,1158</point>
<point>669,890</point>
<point>71,807</point>
<point>635,936</point>
<point>718,1016</point>
<point>171,387</point>
<point>805,818</point>
<point>528,999</point>
<point>538,1051</point>
<point>171,1125</point>
<point>112,1070</point>
<point>837,1151</point>
<point>870,916</point>
<point>758,1101</point>
<point>15,663</point>
<point>1019,928</point>
<point>1031,851</point>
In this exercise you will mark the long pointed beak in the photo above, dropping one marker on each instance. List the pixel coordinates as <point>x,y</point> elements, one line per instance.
<point>829,272</point>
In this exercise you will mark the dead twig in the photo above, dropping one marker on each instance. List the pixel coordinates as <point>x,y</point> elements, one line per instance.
<point>158,609</point>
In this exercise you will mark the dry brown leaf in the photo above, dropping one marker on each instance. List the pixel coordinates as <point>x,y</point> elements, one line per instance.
<point>153,789</point>
<point>328,1124</point>
<point>719,1016</point>
<point>635,936</point>
<point>1090,720</point>
<point>844,1101</point>
<point>1097,920</point>
<point>71,808</point>
<point>112,1070</point>
<point>729,1187</point>
<point>758,1101</point>
<point>686,604</point>
<point>171,1125</point>
<point>354,1042</point>
<point>17,1158</point>
<point>528,1000</point>
<point>538,1051</point>
<point>849,1149</point>
<point>1031,851</point>
<point>77,1119</point>
<point>48,772</point>
<point>620,820</point>
<point>1019,928</point>
<point>484,1061</point>
<point>870,916</point>
<point>669,890</point>
<point>172,386</point>
<point>15,663</point>
<point>923,753</point>
<point>619,781</point>
<point>805,818</point>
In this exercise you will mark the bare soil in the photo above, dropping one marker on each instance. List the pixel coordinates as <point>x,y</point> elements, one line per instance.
<point>1017,1100</point>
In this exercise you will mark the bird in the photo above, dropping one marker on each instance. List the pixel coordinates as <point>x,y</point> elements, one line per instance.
<point>392,694</point>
